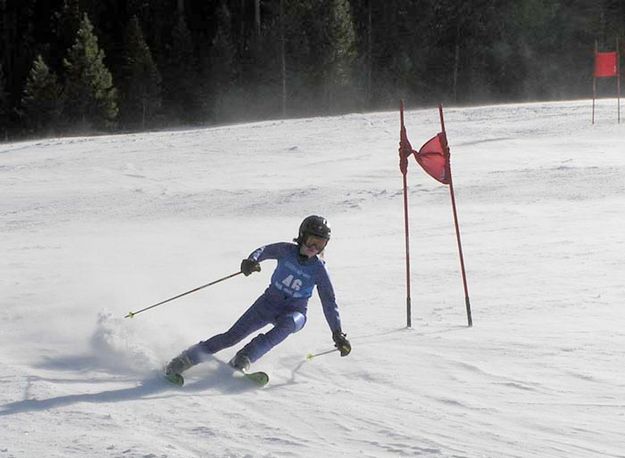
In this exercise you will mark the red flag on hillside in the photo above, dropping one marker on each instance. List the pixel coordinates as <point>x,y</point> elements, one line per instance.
<point>433,158</point>
<point>605,64</point>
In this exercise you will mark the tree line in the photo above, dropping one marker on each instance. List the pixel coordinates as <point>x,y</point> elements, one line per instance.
<point>70,66</point>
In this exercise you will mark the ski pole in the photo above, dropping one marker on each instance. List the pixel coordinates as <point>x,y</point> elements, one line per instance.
<point>310,356</point>
<point>132,314</point>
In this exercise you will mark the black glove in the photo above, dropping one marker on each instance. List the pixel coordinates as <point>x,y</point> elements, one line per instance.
<point>249,266</point>
<point>341,342</point>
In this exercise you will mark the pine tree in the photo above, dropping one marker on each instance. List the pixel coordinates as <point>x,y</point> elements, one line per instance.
<point>224,71</point>
<point>65,24</point>
<point>294,23</point>
<point>141,92</point>
<point>340,56</point>
<point>319,52</point>
<point>89,90</point>
<point>4,106</point>
<point>42,100</point>
<point>181,74</point>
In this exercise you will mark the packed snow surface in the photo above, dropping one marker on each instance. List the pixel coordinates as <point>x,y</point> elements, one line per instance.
<point>93,228</point>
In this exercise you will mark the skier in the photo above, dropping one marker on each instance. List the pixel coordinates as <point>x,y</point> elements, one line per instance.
<point>283,304</point>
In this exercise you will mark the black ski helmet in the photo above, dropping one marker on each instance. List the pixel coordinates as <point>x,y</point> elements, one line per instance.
<point>313,225</point>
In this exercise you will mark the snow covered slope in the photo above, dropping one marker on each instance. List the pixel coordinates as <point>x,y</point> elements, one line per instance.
<point>92,228</point>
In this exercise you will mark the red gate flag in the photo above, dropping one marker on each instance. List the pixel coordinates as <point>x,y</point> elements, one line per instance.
<point>605,64</point>
<point>434,159</point>
<point>433,156</point>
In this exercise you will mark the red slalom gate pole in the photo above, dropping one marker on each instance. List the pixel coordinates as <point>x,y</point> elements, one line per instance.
<point>453,205</point>
<point>403,165</point>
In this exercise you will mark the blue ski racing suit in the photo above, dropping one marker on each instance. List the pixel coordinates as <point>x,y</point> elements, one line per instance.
<point>283,304</point>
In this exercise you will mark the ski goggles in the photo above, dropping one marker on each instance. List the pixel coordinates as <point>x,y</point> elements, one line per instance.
<point>318,243</point>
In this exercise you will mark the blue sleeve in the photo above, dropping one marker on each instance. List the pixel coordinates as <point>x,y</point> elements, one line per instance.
<point>272,251</point>
<point>328,300</point>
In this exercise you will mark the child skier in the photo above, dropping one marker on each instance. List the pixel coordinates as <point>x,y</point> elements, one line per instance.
<point>283,304</point>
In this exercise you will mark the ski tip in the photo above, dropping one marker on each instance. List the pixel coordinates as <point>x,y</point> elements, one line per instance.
<point>130,315</point>
<point>260,378</point>
<point>176,379</point>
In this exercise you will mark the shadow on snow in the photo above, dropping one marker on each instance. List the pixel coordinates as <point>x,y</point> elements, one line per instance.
<point>220,378</point>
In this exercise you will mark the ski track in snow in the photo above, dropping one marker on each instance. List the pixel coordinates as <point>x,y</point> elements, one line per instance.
<point>95,227</point>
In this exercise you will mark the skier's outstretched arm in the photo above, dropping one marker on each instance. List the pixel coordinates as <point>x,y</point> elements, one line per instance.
<point>331,312</point>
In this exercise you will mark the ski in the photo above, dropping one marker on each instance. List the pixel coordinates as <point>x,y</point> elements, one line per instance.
<point>260,378</point>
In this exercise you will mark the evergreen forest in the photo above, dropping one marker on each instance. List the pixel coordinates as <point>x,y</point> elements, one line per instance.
<point>92,66</point>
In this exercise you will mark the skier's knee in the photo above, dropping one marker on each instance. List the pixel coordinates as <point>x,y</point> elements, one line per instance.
<point>295,321</point>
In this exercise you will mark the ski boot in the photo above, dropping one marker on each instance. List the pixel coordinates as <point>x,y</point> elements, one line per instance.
<point>240,362</point>
<point>176,367</point>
